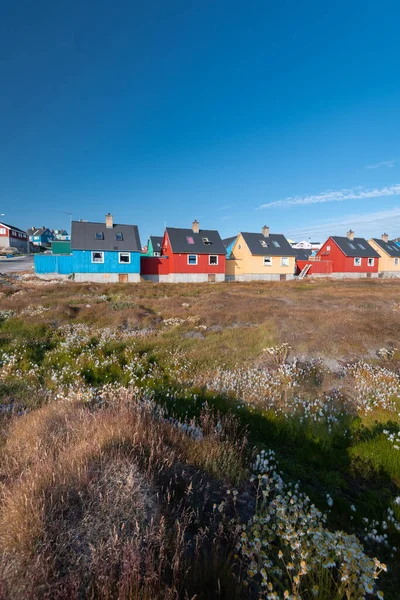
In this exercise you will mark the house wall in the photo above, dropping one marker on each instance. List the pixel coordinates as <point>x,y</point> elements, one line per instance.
<point>318,267</point>
<point>153,265</point>
<point>13,240</point>
<point>386,263</point>
<point>345,264</point>
<point>82,263</point>
<point>244,263</point>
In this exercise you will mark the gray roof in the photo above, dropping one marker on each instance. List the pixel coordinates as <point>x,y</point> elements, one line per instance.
<point>228,241</point>
<point>358,247</point>
<point>274,245</point>
<point>37,230</point>
<point>180,245</point>
<point>391,248</point>
<point>156,242</point>
<point>83,237</point>
<point>303,253</point>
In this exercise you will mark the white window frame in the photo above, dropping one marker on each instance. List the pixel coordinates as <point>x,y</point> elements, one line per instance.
<point>396,261</point>
<point>209,260</point>
<point>124,262</point>
<point>193,263</point>
<point>98,262</point>
<point>328,248</point>
<point>371,262</point>
<point>267,261</point>
<point>357,264</point>
<point>2,231</point>
<point>285,261</point>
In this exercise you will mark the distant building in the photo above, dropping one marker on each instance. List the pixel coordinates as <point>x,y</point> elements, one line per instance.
<point>229,243</point>
<point>40,236</point>
<point>13,237</point>
<point>304,245</point>
<point>154,245</point>
<point>260,256</point>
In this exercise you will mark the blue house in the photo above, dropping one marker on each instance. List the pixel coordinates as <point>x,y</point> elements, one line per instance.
<point>229,243</point>
<point>40,236</point>
<point>100,252</point>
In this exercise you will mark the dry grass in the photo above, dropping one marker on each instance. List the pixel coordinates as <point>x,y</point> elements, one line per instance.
<point>100,504</point>
<point>314,317</point>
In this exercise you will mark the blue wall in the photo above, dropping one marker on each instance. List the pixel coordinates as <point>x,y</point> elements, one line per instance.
<point>83,263</point>
<point>80,261</point>
<point>49,263</point>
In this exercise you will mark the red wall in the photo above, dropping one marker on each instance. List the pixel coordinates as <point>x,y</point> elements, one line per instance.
<point>342,263</point>
<point>320,267</point>
<point>152,265</point>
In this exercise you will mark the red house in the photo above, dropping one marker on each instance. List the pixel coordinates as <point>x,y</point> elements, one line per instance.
<point>187,255</point>
<point>13,237</point>
<point>350,256</point>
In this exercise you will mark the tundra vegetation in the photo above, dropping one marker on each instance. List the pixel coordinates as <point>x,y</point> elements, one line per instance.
<point>234,441</point>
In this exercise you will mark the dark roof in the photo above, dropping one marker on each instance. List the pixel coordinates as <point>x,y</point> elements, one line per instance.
<point>156,242</point>
<point>179,241</point>
<point>228,241</point>
<point>37,230</point>
<point>391,248</point>
<point>12,227</point>
<point>303,253</point>
<point>83,237</point>
<point>358,247</point>
<point>274,245</point>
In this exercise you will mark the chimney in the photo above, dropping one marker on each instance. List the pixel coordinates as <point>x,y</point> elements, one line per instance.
<point>196,226</point>
<point>385,238</point>
<point>265,231</point>
<point>109,221</point>
<point>350,235</point>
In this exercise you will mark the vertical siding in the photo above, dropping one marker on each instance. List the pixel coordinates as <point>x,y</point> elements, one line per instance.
<point>82,260</point>
<point>47,263</point>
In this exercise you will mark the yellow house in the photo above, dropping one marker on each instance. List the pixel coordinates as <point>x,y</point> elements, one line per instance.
<point>261,256</point>
<point>389,252</point>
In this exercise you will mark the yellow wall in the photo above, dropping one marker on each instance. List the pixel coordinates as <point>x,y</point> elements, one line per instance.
<point>244,263</point>
<point>386,263</point>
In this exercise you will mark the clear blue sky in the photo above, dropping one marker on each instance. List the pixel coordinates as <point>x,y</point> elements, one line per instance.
<point>165,111</point>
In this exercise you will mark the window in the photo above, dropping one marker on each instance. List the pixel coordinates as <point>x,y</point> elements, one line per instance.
<point>357,262</point>
<point>124,258</point>
<point>361,246</point>
<point>263,243</point>
<point>189,240</point>
<point>276,244</point>
<point>396,261</point>
<point>97,257</point>
<point>371,262</point>
<point>99,235</point>
<point>192,259</point>
<point>156,253</point>
<point>284,261</point>
<point>119,237</point>
<point>328,248</point>
<point>352,246</point>
<point>2,230</point>
<point>206,241</point>
<point>213,260</point>
<point>267,261</point>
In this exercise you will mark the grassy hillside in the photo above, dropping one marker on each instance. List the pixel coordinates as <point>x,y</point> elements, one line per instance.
<point>193,441</point>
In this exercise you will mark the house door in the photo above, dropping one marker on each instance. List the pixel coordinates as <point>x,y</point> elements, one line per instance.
<point>211,278</point>
<point>123,277</point>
